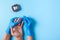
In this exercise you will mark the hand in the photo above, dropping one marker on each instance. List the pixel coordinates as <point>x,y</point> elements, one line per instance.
<point>27,23</point>
<point>13,22</point>
<point>17,30</point>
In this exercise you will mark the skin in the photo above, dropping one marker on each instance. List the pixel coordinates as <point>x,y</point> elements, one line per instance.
<point>14,32</point>
<point>17,32</point>
<point>6,37</point>
<point>29,38</point>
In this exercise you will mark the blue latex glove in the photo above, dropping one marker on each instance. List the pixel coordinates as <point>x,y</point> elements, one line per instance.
<point>26,26</point>
<point>11,25</point>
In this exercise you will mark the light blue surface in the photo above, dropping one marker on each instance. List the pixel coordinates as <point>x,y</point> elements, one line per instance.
<point>45,12</point>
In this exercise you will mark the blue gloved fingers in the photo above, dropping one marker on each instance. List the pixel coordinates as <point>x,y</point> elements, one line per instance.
<point>12,20</point>
<point>30,21</point>
<point>18,21</point>
<point>26,27</point>
<point>27,20</point>
<point>12,24</point>
<point>24,20</point>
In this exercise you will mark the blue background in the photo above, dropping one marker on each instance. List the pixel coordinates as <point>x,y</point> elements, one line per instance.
<point>45,12</point>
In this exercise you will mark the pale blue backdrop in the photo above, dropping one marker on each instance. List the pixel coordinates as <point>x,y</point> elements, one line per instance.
<point>45,12</point>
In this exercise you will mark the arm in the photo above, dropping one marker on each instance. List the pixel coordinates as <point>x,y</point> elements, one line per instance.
<point>30,38</point>
<point>6,37</point>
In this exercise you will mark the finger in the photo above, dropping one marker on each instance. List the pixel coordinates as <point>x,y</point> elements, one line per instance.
<point>12,31</point>
<point>26,19</point>
<point>22,24</point>
<point>15,20</point>
<point>30,20</point>
<point>18,19</point>
<point>20,30</point>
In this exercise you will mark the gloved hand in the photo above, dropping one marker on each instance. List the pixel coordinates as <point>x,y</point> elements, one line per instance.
<point>26,27</point>
<point>12,24</point>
